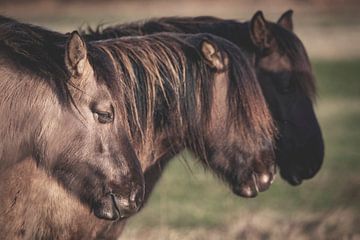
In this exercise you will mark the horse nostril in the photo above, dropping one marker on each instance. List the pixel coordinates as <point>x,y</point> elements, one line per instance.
<point>136,198</point>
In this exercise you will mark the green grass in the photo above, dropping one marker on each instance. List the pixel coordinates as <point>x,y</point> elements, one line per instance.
<point>338,78</point>
<point>194,199</point>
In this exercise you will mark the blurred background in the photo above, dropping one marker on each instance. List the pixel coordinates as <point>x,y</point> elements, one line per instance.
<point>190,203</point>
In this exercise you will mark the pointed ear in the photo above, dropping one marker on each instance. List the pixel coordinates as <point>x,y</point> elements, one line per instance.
<point>212,55</point>
<point>75,54</point>
<point>259,31</point>
<point>286,20</point>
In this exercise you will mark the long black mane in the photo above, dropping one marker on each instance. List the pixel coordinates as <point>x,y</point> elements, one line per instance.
<point>230,29</point>
<point>291,45</point>
<point>233,30</point>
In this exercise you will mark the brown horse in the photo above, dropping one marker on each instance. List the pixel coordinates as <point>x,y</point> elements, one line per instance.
<point>196,92</point>
<point>283,70</point>
<point>63,146</point>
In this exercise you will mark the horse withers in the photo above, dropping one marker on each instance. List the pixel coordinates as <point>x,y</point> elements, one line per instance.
<point>60,129</point>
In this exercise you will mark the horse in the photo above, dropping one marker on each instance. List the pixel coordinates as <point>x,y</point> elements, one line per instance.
<point>283,70</point>
<point>178,91</point>
<point>63,146</point>
<point>195,92</point>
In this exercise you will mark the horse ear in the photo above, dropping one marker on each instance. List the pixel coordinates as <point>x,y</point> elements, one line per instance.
<point>212,55</point>
<point>259,31</point>
<point>76,54</point>
<point>286,20</point>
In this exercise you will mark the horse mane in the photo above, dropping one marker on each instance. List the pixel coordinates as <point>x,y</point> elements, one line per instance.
<point>288,42</point>
<point>165,73</point>
<point>157,25</point>
<point>34,50</point>
<point>247,108</point>
<point>292,46</point>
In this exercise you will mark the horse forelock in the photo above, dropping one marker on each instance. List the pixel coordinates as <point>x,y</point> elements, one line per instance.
<point>247,106</point>
<point>292,46</point>
<point>139,70</point>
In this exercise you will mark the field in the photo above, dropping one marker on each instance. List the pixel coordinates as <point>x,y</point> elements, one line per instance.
<point>189,203</point>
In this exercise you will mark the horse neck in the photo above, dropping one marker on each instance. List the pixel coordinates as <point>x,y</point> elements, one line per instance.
<point>166,145</point>
<point>157,149</point>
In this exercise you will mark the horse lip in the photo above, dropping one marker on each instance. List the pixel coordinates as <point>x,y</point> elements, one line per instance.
<point>295,180</point>
<point>121,213</point>
<point>112,195</point>
<point>245,191</point>
<point>107,215</point>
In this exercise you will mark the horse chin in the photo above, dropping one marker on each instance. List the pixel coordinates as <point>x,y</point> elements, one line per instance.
<point>124,207</point>
<point>106,209</point>
<point>304,163</point>
<point>115,208</point>
<point>292,179</point>
<point>245,191</point>
<point>296,174</point>
<point>258,183</point>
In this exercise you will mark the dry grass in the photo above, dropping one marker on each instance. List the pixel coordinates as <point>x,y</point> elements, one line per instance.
<point>335,224</point>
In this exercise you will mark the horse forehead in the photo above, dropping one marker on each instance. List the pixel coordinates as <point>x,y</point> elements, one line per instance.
<point>91,88</point>
<point>275,62</point>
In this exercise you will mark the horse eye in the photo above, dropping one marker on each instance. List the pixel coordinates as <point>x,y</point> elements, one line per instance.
<point>286,86</point>
<point>285,83</point>
<point>104,117</point>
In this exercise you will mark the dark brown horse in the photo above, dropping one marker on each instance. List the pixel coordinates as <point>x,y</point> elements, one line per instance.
<point>283,70</point>
<point>63,146</point>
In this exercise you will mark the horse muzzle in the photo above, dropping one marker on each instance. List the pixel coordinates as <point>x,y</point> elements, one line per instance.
<point>114,207</point>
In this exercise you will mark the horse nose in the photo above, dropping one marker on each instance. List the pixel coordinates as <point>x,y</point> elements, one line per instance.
<point>131,205</point>
<point>136,198</point>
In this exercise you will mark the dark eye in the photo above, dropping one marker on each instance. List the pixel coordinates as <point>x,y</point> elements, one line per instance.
<point>286,86</point>
<point>103,111</point>
<point>104,117</point>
